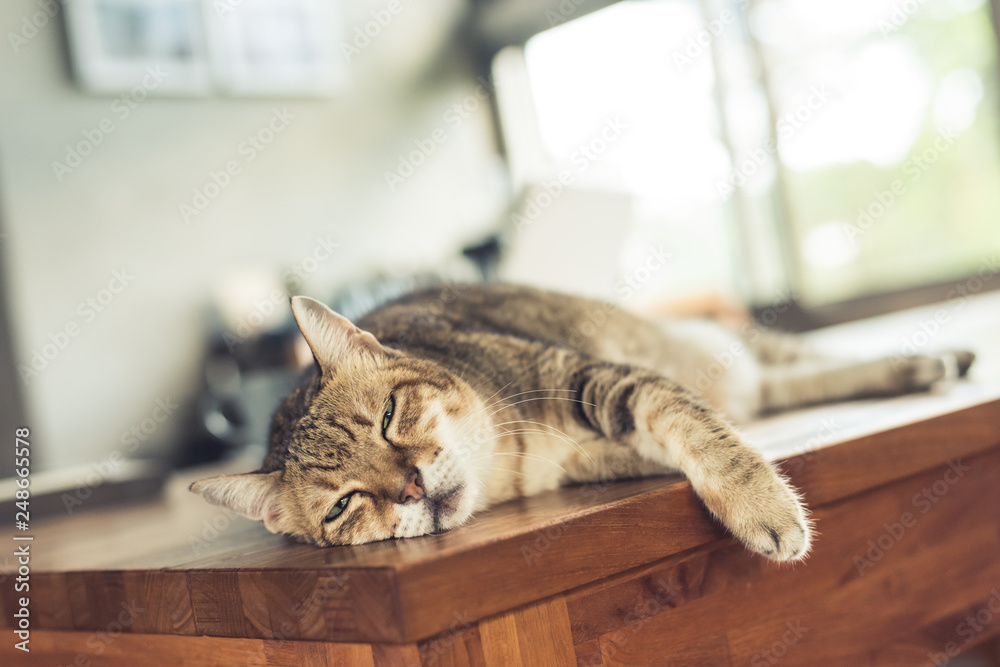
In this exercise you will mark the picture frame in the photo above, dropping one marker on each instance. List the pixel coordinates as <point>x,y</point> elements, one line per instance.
<point>240,48</point>
<point>275,47</point>
<point>114,45</point>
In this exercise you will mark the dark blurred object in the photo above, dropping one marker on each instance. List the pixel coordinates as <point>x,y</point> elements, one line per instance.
<point>12,413</point>
<point>486,256</point>
<point>69,492</point>
<point>245,378</point>
<point>241,384</point>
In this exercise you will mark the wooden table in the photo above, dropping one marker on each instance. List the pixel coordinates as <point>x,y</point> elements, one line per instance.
<point>906,567</point>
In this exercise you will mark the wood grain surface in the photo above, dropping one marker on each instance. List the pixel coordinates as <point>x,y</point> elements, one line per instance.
<point>614,574</point>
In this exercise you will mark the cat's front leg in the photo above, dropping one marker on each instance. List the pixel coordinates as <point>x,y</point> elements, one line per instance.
<point>667,424</point>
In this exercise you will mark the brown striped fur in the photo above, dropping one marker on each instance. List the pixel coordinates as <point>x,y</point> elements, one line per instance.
<point>505,391</point>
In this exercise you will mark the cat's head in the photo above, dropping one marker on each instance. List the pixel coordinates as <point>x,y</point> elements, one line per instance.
<point>383,445</point>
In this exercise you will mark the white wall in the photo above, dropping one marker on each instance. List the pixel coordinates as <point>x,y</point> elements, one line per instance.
<point>321,176</point>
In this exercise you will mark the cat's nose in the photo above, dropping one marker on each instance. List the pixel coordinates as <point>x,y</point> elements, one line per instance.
<point>413,490</point>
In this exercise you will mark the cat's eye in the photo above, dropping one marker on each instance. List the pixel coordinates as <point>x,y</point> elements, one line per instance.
<point>387,417</point>
<point>338,508</point>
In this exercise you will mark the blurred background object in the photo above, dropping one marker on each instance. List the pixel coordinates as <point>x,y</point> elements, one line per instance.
<point>268,47</point>
<point>172,170</point>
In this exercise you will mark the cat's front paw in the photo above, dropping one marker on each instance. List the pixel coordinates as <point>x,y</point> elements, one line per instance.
<point>763,511</point>
<point>780,532</point>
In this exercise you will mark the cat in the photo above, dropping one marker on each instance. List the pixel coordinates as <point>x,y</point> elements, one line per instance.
<point>444,402</point>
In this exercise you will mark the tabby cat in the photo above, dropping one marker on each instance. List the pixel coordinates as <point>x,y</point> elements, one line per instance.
<point>444,402</point>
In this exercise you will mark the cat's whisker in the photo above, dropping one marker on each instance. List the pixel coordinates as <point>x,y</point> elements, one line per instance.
<point>490,403</point>
<point>516,472</point>
<point>525,455</point>
<point>542,398</point>
<point>521,393</point>
<point>529,431</point>
<point>464,423</point>
<point>467,429</point>
<point>548,426</point>
<point>495,393</point>
<point>504,406</point>
<point>486,405</point>
<point>568,441</point>
<point>479,481</point>
<point>558,435</point>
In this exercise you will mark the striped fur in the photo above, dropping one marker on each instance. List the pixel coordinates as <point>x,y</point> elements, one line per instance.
<point>507,391</point>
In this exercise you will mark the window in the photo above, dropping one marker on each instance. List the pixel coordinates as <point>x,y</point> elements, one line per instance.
<point>782,149</point>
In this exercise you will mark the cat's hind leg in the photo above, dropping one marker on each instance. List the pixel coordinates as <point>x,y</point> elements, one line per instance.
<point>773,347</point>
<point>823,380</point>
<point>795,373</point>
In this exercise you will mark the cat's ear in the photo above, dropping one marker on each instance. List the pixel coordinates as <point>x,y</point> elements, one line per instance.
<point>253,495</point>
<point>331,337</point>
